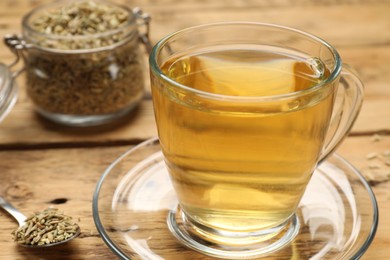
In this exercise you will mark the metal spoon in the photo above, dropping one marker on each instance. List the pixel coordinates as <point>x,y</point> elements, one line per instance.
<point>20,218</point>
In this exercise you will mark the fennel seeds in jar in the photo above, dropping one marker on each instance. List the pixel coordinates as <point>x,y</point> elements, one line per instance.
<point>83,65</point>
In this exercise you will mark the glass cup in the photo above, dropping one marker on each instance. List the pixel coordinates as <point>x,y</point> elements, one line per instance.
<point>245,112</point>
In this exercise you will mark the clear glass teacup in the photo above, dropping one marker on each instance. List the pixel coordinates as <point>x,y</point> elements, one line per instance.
<point>245,112</point>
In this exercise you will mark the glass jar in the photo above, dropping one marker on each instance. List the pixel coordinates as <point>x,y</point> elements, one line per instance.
<point>84,80</point>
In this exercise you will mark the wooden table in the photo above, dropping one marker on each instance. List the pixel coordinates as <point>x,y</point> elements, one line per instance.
<point>43,164</point>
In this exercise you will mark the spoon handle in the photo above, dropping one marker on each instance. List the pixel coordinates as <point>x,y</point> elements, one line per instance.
<point>20,218</point>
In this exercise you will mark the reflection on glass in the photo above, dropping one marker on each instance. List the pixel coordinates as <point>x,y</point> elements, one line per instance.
<point>323,210</point>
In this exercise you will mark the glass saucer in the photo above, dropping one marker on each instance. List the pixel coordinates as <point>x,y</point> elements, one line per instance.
<point>338,214</point>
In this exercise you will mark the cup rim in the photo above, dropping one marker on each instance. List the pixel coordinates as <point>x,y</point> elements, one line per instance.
<point>155,68</point>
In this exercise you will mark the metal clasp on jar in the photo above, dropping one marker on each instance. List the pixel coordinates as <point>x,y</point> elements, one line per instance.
<point>16,44</point>
<point>143,19</point>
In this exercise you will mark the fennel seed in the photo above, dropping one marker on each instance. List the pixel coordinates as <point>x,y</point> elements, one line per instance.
<point>46,227</point>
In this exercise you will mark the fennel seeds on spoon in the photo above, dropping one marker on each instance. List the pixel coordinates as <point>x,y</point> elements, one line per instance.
<point>44,228</point>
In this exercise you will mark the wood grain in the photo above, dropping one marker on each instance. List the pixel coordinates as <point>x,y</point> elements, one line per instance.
<point>42,163</point>
<point>33,180</point>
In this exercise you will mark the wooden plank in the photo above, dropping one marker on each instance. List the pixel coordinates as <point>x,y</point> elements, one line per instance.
<point>24,127</point>
<point>32,180</point>
<point>318,20</point>
<point>370,19</point>
<point>359,151</point>
<point>22,6</point>
<point>367,154</point>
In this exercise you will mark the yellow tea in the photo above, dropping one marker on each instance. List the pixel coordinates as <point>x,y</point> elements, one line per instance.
<point>237,164</point>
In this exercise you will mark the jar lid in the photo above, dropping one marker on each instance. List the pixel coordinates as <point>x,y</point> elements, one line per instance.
<point>8,91</point>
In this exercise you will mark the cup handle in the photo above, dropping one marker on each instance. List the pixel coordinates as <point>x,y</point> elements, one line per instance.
<point>346,110</point>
